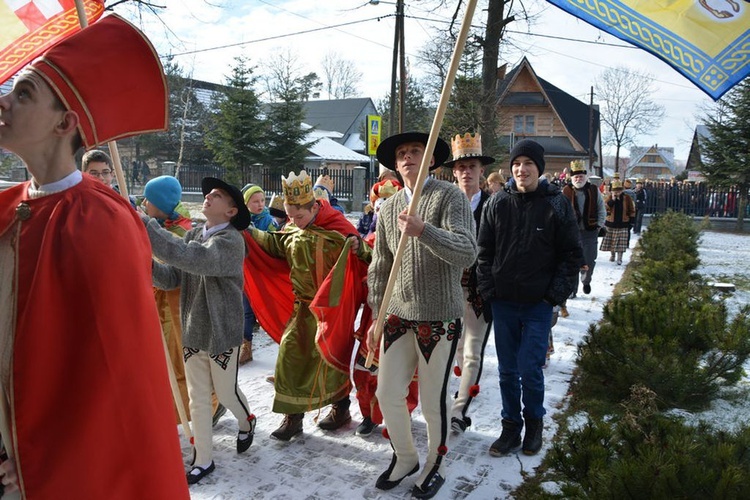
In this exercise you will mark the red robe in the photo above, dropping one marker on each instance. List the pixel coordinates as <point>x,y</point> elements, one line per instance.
<point>90,404</point>
<point>335,305</point>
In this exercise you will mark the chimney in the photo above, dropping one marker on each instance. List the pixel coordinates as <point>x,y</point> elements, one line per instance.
<point>501,71</point>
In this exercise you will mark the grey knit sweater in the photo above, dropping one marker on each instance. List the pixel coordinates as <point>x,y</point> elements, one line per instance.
<point>428,287</point>
<point>210,274</point>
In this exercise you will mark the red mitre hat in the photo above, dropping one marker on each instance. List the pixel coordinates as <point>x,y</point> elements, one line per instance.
<point>110,74</point>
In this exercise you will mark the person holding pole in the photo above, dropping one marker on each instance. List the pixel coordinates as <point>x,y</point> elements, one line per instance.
<point>78,417</point>
<point>207,266</point>
<point>529,253</point>
<point>423,322</point>
<point>468,166</point>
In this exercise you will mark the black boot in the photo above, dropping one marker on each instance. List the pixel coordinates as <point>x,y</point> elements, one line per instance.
<point>337,417</point>
<point>532,440</point>
<point>509,439</point>
<point>290,427</point>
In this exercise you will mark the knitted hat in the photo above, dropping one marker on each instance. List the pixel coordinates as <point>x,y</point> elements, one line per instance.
<point>242,219</point>
<point>386,152</point>
<point>249,190</point>
<point>529,148</point>
<point>112,100</point>
<point>164,193</point>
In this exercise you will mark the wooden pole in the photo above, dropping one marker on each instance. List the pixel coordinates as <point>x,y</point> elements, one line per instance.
<point>115,154</point>
<point>423,170</point>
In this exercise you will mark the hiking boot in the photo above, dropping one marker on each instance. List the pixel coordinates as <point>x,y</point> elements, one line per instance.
<point>366,427</point>
<point>532,440</point>
<point>509,439</point>
<point>246,352</point>
<point>220,411</point>
<point>337,417</point>
<point>290,427</point>
<point>587,288</point>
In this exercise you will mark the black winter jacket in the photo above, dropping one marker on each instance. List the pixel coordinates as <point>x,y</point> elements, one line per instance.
<point>529,246</point>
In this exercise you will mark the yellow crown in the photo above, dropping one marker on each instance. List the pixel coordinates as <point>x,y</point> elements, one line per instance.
<point>466,146</point>
<point>383,190</point>
<point>297,188</point>
<point>577,166</point>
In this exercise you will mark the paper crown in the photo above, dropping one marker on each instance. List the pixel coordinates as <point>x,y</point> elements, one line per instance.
<point>468,146</point>
<point>616,183</point>
<point>384,190</point>
<point>276,206</point>
<point>110,75</point>
<point>577,167</point>
<point>298,189</point>
<point>326,182</point>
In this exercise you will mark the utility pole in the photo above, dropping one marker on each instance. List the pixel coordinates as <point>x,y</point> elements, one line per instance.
<point>591,135</point>
<point>402,69</point>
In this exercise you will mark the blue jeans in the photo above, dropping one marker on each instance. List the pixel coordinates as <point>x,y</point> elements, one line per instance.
<point>521,338</point>
<point>249,319</point>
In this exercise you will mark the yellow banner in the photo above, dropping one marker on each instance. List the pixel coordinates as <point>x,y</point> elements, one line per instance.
<point>705,40</point>
<point>373,134</point>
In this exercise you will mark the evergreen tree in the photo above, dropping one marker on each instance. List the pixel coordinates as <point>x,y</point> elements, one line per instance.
<point>285,140</point>
<point>417,113</point>
<point>727,152</point>
<point>236,132</point>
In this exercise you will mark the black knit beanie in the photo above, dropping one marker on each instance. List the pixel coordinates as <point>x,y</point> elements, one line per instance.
<point>529,148</point>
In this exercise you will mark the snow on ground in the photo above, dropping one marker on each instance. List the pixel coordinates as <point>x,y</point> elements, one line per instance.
<point>324,465</point>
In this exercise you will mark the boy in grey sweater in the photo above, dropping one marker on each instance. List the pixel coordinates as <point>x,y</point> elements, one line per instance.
<point>423,323</point>
<point>207,264</point>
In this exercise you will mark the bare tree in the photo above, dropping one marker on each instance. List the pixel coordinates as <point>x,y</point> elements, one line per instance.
<point>285,79</point>
<point>340,76</point>
<point>626,107</point>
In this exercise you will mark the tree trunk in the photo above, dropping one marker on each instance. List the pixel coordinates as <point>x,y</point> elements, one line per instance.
<point>741,207</point>
<point>492,36</point>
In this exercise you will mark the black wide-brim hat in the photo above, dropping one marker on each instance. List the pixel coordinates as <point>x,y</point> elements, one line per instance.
<point>242,219</point>
<point>484,160</point>
<point>386,152</point>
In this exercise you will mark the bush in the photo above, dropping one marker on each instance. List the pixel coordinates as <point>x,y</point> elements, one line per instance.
<point>646,455</point>
<point>669,334</point>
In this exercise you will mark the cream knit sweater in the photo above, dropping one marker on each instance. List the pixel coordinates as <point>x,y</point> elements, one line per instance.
<point>428,287</point>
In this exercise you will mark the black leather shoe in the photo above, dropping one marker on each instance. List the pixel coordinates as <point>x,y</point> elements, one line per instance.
<point>198,473</point>
<point>430,489</point>
<point>243,443</point>
<point>384,484</point>
<point>587,289</point>
<point>459,425</point>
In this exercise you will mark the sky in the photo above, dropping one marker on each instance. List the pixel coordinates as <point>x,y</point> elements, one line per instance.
<point>204,37</point>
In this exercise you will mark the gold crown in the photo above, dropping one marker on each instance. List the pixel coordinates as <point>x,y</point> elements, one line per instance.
<point>466,146</point>
<point>320,193</point>
<point>297,188</point>
<point>384,190</point>
<point>577,166</point>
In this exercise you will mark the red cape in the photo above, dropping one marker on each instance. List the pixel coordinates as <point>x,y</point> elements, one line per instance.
<point>336,303</point>
<point>91,408</point>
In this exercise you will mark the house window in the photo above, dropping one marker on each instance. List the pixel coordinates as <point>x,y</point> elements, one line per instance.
<point>523,124</point>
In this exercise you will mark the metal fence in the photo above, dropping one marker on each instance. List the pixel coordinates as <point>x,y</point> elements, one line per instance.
<point>695,199</point>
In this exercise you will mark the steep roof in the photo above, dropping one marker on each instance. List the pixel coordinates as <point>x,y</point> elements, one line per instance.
<point>574,114</point>
<point>336,114</point>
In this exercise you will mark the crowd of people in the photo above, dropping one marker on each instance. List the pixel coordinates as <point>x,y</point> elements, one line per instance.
<point>474,260</point>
